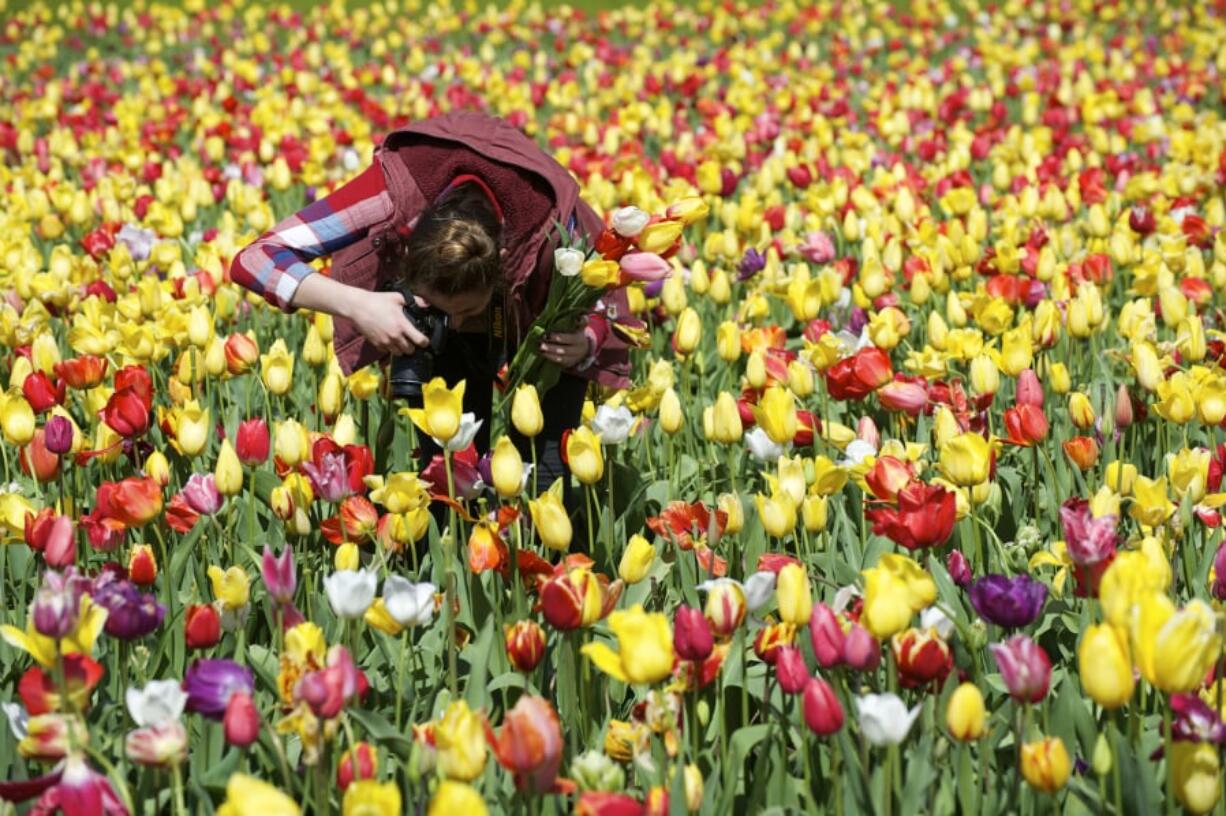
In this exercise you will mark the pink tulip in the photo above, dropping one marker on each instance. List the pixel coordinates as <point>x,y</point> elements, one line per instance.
<point>861,650</point>
<point>280,577</point>
<point>1029,390</point>
<point>908,397</point>
<point>827,636</point>
<point>201,494</point>
<point>866,431</point>
<point>817,248</point>
<point>644,267</point>
<point>241,722</point>
<point>823,711</point>
<point>692,634</point>
<point>1024,667</point>
<point>791,670</point>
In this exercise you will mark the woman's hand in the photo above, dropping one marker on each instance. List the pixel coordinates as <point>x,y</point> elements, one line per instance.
<point>379,316</point>
<point>567,349</point>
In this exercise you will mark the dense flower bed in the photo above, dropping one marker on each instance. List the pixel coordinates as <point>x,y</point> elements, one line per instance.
<point>914,505</point>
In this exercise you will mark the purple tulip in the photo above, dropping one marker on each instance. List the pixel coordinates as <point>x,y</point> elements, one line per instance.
<point>57,603</point>
<point>1089,540</point>
<point>211,683</point>
<point>131,614</point>
<point>280,576</point>
<point>1008,602</point>
<point>1024,667</point>
<point>1219,573</point>
<point>58,435</point>
<point>1195,720</point>
<point>857,321</point>
<point>201,494</point>
<point>329,477</point>
<point>751,264</point>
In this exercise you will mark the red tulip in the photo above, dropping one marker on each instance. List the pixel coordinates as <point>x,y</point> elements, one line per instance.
<point>924,517</point>
<point>1142,220</point>
<point>529,745</point>
<point>201,626</point>
<point>142,566</point>
<point>241,353</point>
<point>860,374</point>
<point>138,379</point>
<point>41,392</point>
<point>1026,424</point>
<point>823,711</point>
<point>135,501</point>
<point>241,723</point>
<point>922,657</point>
<point>37,461</point>
<point>51,535</point>
<point>602,803</point>
<point>126,413</point>
<point>251,442</point>
<point>692,638</point>
<point>358,763</point>
<point>525,642</point>
<point>889,475</point>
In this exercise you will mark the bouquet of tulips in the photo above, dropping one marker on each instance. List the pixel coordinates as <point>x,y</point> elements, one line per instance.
<point>634,248</point>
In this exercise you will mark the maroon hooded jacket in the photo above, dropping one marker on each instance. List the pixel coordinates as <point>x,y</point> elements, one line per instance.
<point>528,266</point>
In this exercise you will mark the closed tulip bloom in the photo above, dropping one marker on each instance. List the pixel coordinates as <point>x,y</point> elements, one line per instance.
<point>814,511</point>
<point>530,744</point>
<point>1045,764</point>
<point>646,647</point>
<point>1185,648</point>
<point>688,331</point>
<point>726,426</point>
<point>277,368</point>
<point>550,519</point>
<point>1008,602</point>
<point>1024,667</point>
<point>777,513</point>
<point>367,797</point>
<point>794,595</point>
<point>672,418</point>
<point>584,456</point>
<point>460,740</point>
<point>1081,412</point>
<point>526,413</point>
<point>456,797</point>
<point>252,441</point>
<point>826,636</point>
<point>966,716</point>
<point>636,560</point>
<point>525,642</point>
<point>692,634</point>
<point>776,414</point>
<point>228,473</point>
<point>241,722</point>
<point>985,376</point>
<point>248,796</point>
<point>790,669</point>
<point>442,407</point>
<point>728,341</point>
<point>1197,775</point>
<point>1105,665</point>
<point>966,459</point>
<point>291,445</point>
<point>201,626</point>
<point>1026,424</point>
<point>822,709</point>
<point>725,607</point>
<point>507,467</point>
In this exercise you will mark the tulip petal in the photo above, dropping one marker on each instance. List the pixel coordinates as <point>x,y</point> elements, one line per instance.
<point>607,660</point>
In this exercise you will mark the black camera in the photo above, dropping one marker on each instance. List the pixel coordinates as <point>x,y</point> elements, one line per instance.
<point>410,372</point>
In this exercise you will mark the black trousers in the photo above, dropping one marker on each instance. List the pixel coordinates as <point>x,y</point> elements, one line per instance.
<point>476,360</point>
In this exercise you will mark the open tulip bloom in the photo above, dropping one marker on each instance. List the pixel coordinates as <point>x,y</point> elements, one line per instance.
<point>891,478</point>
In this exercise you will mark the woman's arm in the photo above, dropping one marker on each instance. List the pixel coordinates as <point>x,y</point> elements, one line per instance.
<point>277,265</point>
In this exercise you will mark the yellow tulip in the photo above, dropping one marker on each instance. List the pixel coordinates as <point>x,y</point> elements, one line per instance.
<point>17,420</point>
<point>442,406</point>
<point>1105,665</point>
<point>460,740</point>
<point>230,586</point>
<point>814,512</point>
<point>248,796</point>
<point>794,594</point>
<point>277,368</point>
<point>636,560</point>
<point>526,411</point>
<point>456,797</point>
<point>985,376</point>
<point>192,428</point>
<point>966,715</point>
<point>1185,648</point>
<point>331,396</point>
<point>584,456</point>
<point>366,797</point>
<point>1145,364</point>
<point>347,558</point>
<point>965,459</point>
<point>671,416</point>
<point>90,620</point>
<point>1045,764</point>
<point>726,424</point>
<point>1188,471</point>
<point>777,513</point>
<point>507,467</point>
<point>894,591</point>
<point>728,341</point>
<point>1081,412</point>
<point>776,415</point>
<point>658,237</point>
<point>645,641</point>
<point>1150,505</point>
<point>550,519</point>
<point>688,331</point>
<point>228,473</point>
<point>730,503</point>
<point>1197,775</point>
<point>290,442</point>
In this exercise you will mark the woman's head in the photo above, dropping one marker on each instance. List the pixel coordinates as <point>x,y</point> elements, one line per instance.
<point>453,256</point>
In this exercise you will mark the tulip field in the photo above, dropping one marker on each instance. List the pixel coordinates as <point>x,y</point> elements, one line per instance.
<point>913,505</point>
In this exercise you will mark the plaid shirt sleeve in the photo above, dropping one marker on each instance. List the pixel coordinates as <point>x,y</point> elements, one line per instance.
<point>278,261</point>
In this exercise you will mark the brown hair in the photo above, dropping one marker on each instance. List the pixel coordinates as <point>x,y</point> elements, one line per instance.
<point>454,246</point>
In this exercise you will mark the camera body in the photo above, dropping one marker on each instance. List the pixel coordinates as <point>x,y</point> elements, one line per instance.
<point>409,373</point>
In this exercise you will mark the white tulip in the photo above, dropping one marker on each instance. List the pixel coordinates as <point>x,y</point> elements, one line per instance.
<point>884,718</point>
<point>933,618</point>
<point>762,447</point>
<point>158,702</point>
<point>568,262</point>
<point>856,452</point>
<point>351,593</point>
<point>408,603</point>
<point>629,221</point>
<point>759,589</point>
<point>469,425</point>
<point>612,425</point>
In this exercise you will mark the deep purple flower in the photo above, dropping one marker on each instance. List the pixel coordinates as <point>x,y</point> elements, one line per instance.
<point>57,603</point>
<point>1195,720</point>
<point>857,321</point>
<point>1089,540</point>
<point>58,435</point>
<point>1008,602</point>
<point>1219,573</point>
<point>131,614</point>
<point>211,683</point>
<point>751,264</point>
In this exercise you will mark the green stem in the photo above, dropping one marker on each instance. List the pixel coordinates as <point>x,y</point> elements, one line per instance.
<point>176,778</point>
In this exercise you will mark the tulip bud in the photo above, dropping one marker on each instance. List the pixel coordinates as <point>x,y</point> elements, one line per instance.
<point>1101,759</point>
<point>1029,390</point>
<point>228,473</point>
<point>728,341</point>
<point>252,442</point>
<point>790,670</point>
<point>142,566</point>
<point>525,643</point>
<point>507,468</point>
<point>1045,764</point>
<point>550,519</point>
<point>314,351</point>
<point>526,411</point>
<point>755,369</point>
<point>202,626</point>
<point>241,723</point>
<point>636,560</point>
<point>794,594</point>
<point>966,715</point>
<point>348,557</point>
<point>1081,412</point>
<point>725,608</point>
<point>688,332</point>
<point>157,468</point>
<point>861,650</point>
<point>671,416</point>
<point>58,435</point>
<point>331,396</point>
<point>360,762</point>
<point>823,711</point>
<point>985,376</point>
<point>1123,408</point>
<point>292,445</point>
<point>730,503</point>
<point>813,513</point>
<point>726,420</point>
